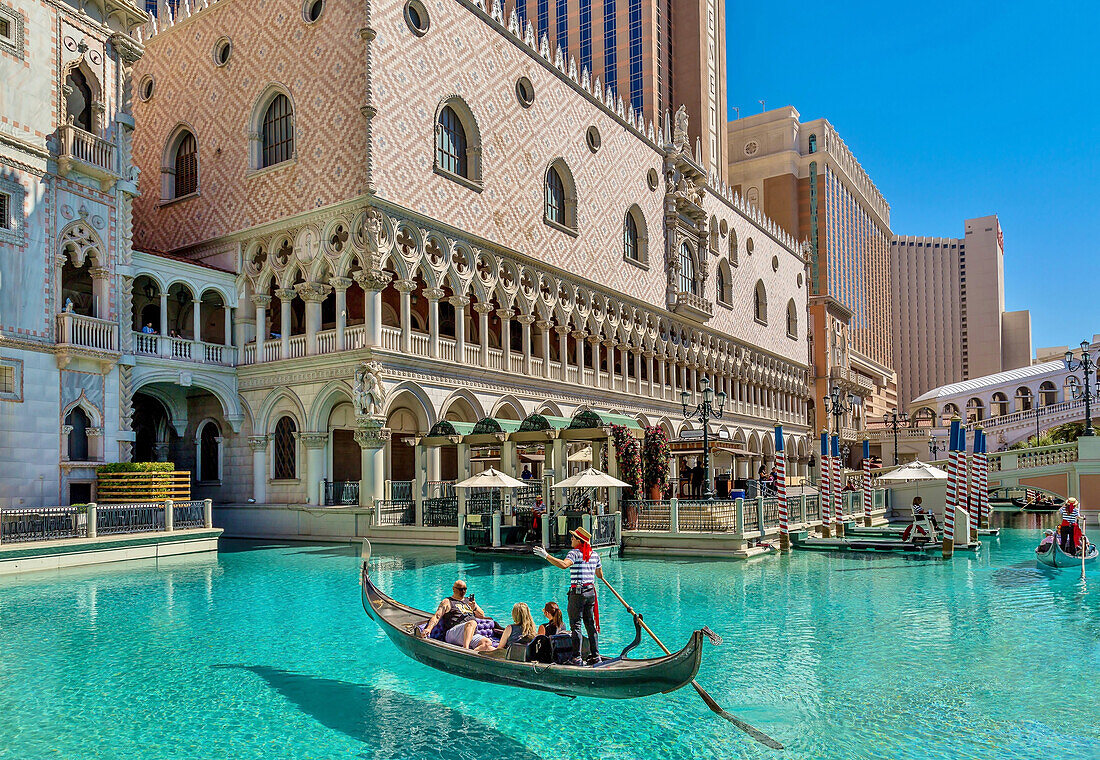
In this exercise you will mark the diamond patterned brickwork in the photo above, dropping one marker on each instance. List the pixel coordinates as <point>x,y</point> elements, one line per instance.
<point>320,64</point>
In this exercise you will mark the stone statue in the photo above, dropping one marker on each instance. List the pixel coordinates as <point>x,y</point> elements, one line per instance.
<point>368,394</point>
<point>680,132</point>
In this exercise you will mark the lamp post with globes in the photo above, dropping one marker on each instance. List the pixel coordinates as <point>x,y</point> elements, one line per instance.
<point>1087,364</point>
<point>838,405</point>
<point>710,408</point>
<point>894,420</point>
<point>934,447</point>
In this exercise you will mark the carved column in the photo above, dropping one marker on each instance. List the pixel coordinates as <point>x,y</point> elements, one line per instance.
<point>484,310</point>
<point>314,294</point>
<point>525,321</point>
<point>544,328</point>
<point>163,319</point>
<point>228,326</point>
<point>101,292</point>
<point>261,303</point>
<point>610,350</point>
<point>405,288</point>
<point>372,437</point>
<point>579,336</point>
<point>341,285</point>
<point>196,324</point>
<point>506,337</point>
<point>372,283</point>
<point>460,303</point>
<point>314,444</point>
<point>433,295</point>
<point>563,350</point>
<point>126,314</point>
<point>597,377</point>
<point>258,444</point>
<point>286,295</point>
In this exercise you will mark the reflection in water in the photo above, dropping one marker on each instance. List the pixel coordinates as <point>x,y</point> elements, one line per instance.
<point>393,724</point>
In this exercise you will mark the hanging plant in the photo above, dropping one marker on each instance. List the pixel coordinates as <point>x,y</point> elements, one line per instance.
<point>629,456</point>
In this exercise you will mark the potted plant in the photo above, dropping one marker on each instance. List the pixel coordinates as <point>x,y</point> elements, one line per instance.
<point>656,454</point>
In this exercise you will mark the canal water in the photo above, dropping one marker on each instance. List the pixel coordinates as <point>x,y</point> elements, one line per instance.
<point>265,652</point>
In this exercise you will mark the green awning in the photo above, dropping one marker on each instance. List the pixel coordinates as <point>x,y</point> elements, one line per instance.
<point>586,420</point>
<point>495,425</point>
<point>446,428</point>
<point>536,422</point>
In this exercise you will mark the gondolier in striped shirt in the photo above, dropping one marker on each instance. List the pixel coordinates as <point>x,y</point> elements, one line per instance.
<point>584,568</point>
<point>1069,532</point>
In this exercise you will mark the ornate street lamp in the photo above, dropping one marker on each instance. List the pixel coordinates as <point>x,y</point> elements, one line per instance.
<point>838,405</point>
<point>709,409</point>
<point>934,447</point>
<point>895,419</point>
<point>1088,366</point>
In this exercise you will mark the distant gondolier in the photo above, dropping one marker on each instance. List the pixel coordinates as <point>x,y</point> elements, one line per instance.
<point>584,568</point>
<point>1069,532</point>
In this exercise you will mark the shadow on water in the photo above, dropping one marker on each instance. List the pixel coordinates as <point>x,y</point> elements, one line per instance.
<point>392,724</point>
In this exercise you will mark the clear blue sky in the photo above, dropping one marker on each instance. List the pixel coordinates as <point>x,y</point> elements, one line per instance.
<point>956,110</point>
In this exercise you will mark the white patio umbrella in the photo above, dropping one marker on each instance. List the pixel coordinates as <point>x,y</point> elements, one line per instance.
<point>491,478</point>
<point>591,478</point>
<point>915,471</point>
<point>584,455</point>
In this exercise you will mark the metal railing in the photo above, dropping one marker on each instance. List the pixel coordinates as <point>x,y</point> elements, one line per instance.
<point>483,501</point>
<point>771,512</point>
<point>698,516</point>
<point>399,490</point>
<point>603,530</point>
<point>189,514</point>
<point>650,515</point>
<point>526,496</point>
<point>441,512</point>
<point>573,520</point>
<point>391,512</point>
<point>42,524</point>
<point>112,519</point>
<point>341,492</point>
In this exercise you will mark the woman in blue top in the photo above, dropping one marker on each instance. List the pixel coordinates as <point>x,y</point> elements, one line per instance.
<point>584,568</point>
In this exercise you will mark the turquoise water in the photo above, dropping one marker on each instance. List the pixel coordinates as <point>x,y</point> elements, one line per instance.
<point>265,652</point>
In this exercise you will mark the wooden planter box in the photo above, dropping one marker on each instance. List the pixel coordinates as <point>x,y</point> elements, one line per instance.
<point>125,487</point>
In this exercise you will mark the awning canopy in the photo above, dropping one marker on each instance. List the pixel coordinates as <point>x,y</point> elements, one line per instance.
<point>494,425</point>
<point>589,419</point>
<point>447,427</point>
<point>536,422</point>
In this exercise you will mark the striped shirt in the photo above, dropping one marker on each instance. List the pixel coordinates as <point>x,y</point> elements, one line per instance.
<point>582,573</point>
<point>918,509</point>
<point>1070,514</point>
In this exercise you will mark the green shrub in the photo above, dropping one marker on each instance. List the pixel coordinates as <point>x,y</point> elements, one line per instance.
<point>135,467</point>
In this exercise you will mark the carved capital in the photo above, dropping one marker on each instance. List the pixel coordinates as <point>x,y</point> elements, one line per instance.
<point>99,273</point>
<point>376,279</point>
<point>526,319</point>
<point>433,294</point>
<point>505,313</point>
<point>370,433</point>
<point>340,283</point>
<point>263,301</point>
<point>94,432</point>
<point>459,302</point>
<point>286,294</point>
<point>313,440</point>
<point>579,334</point>
<point>483,308</point>
<point>313,292</point>
<point>544,324</point>
<point>404,286</point>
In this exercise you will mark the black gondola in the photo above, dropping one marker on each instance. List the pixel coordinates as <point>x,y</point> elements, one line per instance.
<point>618,678</point>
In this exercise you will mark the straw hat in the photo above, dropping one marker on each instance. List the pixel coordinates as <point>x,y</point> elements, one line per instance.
<point>581,535</point>
<point>1071,502</point>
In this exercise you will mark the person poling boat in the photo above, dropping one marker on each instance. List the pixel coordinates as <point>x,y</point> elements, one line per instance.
<point>1069,532</point>
<point>584,568</point>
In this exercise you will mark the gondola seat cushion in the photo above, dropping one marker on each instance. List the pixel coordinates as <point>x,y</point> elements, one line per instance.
<point>485,627</point>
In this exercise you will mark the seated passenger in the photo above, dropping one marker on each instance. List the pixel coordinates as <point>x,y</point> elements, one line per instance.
<point>554,623</point>
<point>459,616</point>
<point>521,631</point>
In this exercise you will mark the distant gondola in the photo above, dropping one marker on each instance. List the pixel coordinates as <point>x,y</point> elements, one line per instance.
<point>1050,554</point>
<point>618,678</point>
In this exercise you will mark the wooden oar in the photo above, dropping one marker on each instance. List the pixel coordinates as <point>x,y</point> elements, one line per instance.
<point>755,733</point>
<point>1084,545</point>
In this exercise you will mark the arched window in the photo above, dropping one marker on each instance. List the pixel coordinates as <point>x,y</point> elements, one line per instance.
<point>209,458</point>
<point>760,303</point>
<point>733,248</point>
<point>813,143</point>
<point>78,100</point>
<point>450,144</point>
<point>561,197</point>
<point>630,238</point>
<point>975,410</point>
<point>1048,394</point>
<point>555,197</point>
<point>714,235</point>
<point>277,132</point>
<point>792,319</point>
<point>78,422</point>
<point>720,285</point>
<point>186,166</point>
<point>1023,399</point>
<point>286,450</point>
<point>950,411</point>
<point>688,283</point>
<point>999,405</point>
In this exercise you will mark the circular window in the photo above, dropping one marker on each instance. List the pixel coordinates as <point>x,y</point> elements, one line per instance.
<point>751,147</point>
<point>592,138</point>
<point>223,48</point>
<point>748,246</point>
<point>416,16</point>
<point>800,279</point>
<point>652,179</point>
<point>525,92</point>
<point>775,263</point>
<point>146,88</point>
<point>312,10</point>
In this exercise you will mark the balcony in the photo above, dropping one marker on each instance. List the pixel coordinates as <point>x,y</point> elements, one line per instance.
<point>853,379</point>
<point>87,154</point>
<point>80,331</point>
<point>183,349</point>
<point>693,306</point>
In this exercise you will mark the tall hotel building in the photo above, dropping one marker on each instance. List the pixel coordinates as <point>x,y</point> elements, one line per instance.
<point>949,319</point>
<point>372,239</point>
<point>802,175</point>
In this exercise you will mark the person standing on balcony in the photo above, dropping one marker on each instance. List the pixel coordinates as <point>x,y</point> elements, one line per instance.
<point>526,475</point>
<point>584,568</point>
<point>148,329</point>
